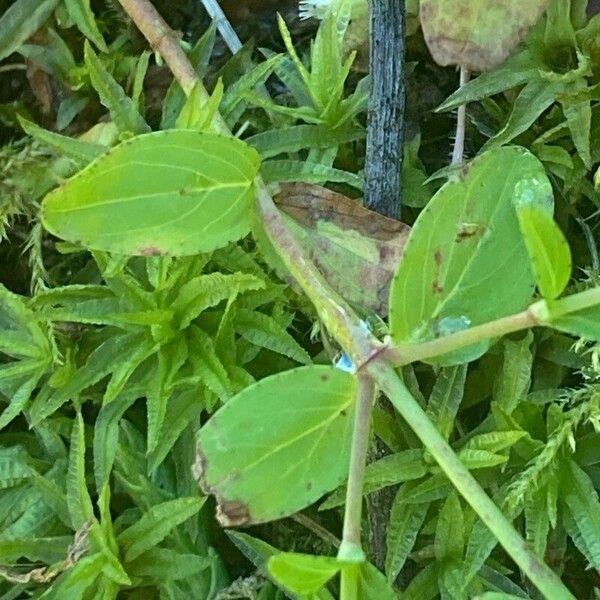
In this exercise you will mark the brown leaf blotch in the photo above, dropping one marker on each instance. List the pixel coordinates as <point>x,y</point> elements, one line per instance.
<point>231,513</point>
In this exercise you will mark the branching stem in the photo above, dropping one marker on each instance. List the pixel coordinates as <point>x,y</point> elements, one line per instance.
<point>354,337</point>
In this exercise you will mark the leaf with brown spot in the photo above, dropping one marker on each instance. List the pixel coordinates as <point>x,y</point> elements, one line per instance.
<point>278,446</point>
<point>477,34</point>
<point>356,249</point>
<point>465,262</point>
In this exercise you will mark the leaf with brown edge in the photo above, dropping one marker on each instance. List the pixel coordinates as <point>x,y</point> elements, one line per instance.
<point>278,446</point>
<point>477,34</point>
<point>356,249</point>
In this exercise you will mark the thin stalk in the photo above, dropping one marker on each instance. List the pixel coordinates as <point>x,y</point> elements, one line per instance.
<point>230,37</point>
<point>538,314</point>
<point>458,151</point>
<point>539,573</point>
<point>404,354</point>
<point>351,548</point>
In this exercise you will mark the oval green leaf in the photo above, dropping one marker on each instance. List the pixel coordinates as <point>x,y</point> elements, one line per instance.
<point>174,193</point>
<point>548,250</point>
<point>465,262</point>
<point>279,445</point>
<point>477,34</point>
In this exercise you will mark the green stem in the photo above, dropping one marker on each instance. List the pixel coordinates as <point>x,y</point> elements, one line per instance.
<point>538,314</point>
<point>351,548</point>
<point>540,574</point>
<point>349,583</point>
<point>404,354</point>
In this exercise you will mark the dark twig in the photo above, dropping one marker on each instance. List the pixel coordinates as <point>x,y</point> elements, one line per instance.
<point>385,136</point>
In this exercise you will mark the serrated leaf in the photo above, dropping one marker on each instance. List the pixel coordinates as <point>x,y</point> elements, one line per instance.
<point>548,250</point>
<point>514,378</point>
<point>184,409</point>
<point>403,527</point>
<point>481,459</point>
<point>122,108</point>
<point>296,425</point>
<point>446,396</point>
<point>170,358</point>
<point>155,524</point>
<point>22,19</point>
<point>79,151</point>
<point>199,56</point>
<point>264,331</point>
<point>537,524</point>
<point>535,97</point>
<point>106,436</point>
<point>205,291</point>
<point>465,249</point>
<point>477,34</point>
<point>449,530</point>
<point>293,139</point>
<point>175,192</point>
<point>584,507</point>
<point>78,497</point>
<point>278,171</point>
<point>159,564</point>
<point>387,471</point>
<point>82,15</point>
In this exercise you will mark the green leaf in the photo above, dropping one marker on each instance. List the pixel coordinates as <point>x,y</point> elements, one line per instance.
<point>171,358</point>
<point>548,250</point>
<point>175,98</point>
<point>277,171</point>
<point>184,409</point>
<point>196,114</point>
<point>535,97</point>
<point>465,262</point>
<point>387,471</point>
<point>537,524</point>
<point>477,34</point>
<point>79,151</point>
<point>205,291</point>
<point>175,192</point>
<point>76,581</point>
<point>78,497</point>
<point>404,525</point>
<point>372,584</point>
<point>266,332</point>
<point>296,426</point>
<point>302,573</point>
<point>156,524</point>
<point>449,530</point>
<point>293,139</point>
<point>122,108</point>
<point>518,70</point>
<point>513,381</point>
<point>446,396</point>
<point>106,436</point>
<point>82,15</point>
<point>158,564</point>
<point>583,506</point>
<point>22,19</point>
